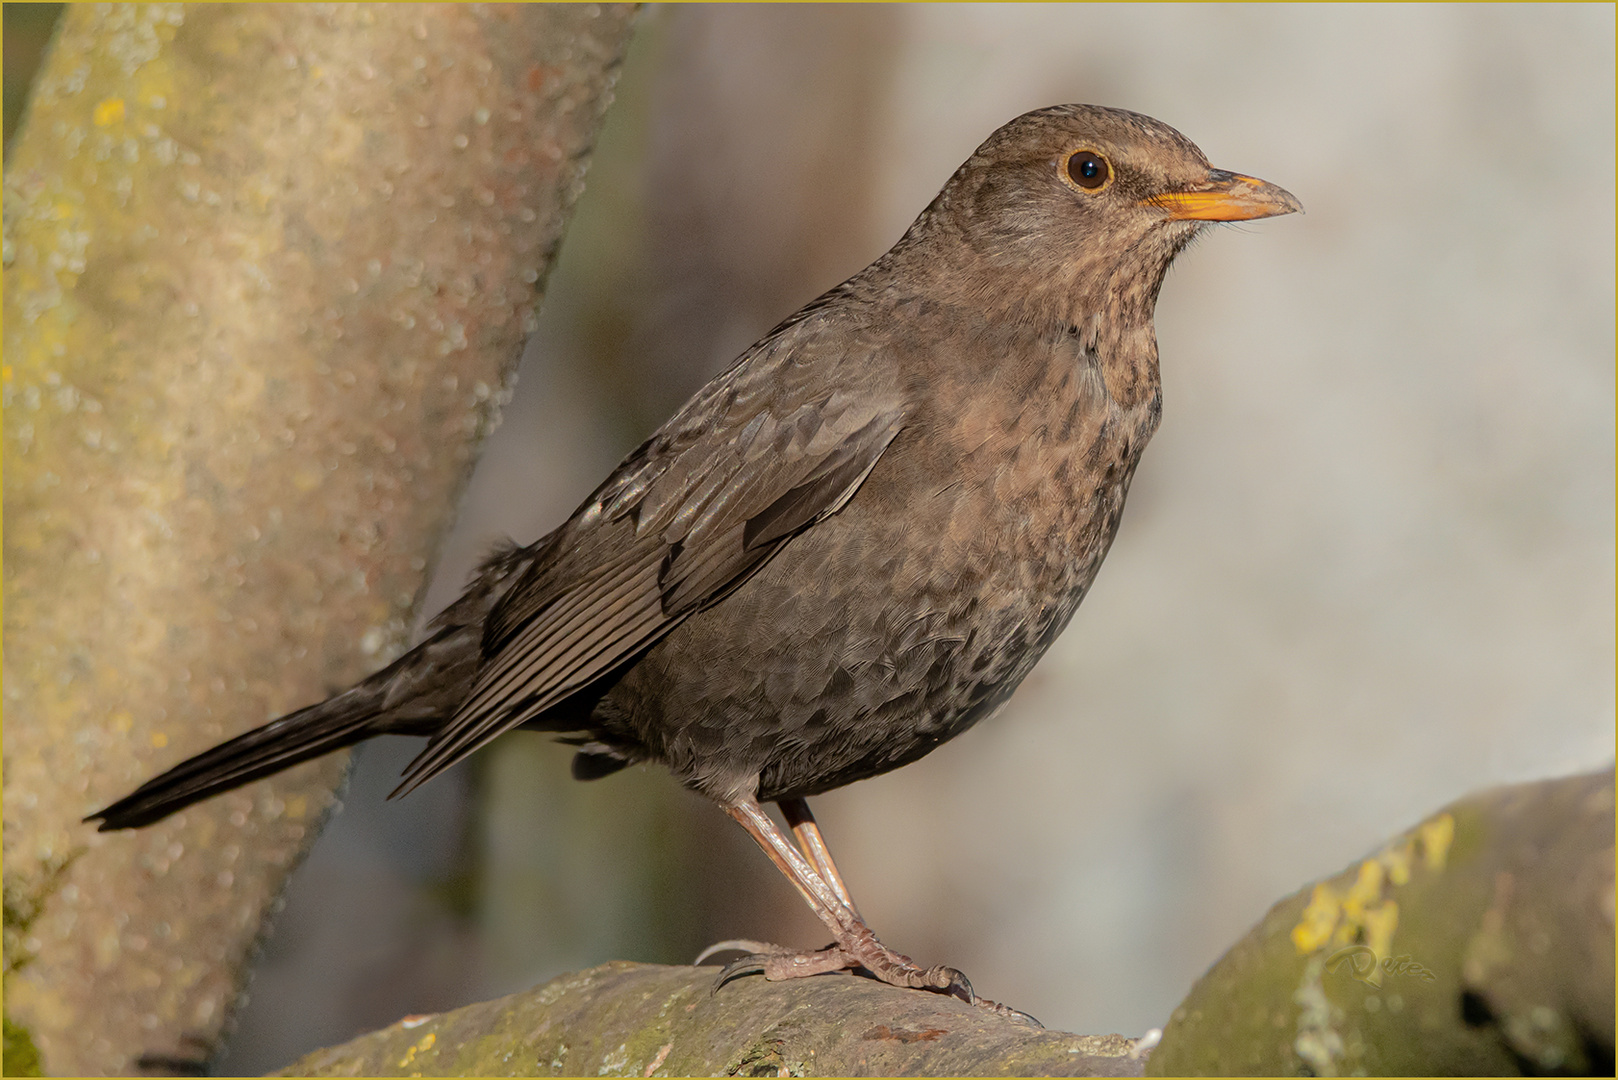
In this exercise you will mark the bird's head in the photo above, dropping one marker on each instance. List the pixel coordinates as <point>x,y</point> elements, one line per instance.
<point>1076,205</point>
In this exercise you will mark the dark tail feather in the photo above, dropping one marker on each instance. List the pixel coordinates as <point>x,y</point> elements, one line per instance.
<point>411,696</point>
<point>294,738</point>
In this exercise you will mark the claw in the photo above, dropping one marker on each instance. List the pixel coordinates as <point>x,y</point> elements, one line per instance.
<point>745,945</point>
<point>748,965</point>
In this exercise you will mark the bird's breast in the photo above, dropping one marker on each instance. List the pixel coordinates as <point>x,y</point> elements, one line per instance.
<point>1033,470</point>
<point>990,523</point>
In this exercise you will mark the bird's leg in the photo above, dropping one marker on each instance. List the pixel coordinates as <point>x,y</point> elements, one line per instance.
<point>856,945</point>
<point>803,826</point>
<point>813,846</point>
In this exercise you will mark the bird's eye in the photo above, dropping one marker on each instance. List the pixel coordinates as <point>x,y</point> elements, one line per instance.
<point>1088,169</point>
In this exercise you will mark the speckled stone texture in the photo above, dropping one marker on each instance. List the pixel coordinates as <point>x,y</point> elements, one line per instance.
<point>644,1020</point>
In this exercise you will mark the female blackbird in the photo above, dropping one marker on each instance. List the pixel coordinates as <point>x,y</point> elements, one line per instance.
<point>847,548</point>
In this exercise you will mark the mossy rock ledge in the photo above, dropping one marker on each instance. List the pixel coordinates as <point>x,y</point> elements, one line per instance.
<point>624,1019</point>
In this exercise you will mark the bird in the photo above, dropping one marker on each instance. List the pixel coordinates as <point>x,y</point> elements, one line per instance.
<point>844,550</point>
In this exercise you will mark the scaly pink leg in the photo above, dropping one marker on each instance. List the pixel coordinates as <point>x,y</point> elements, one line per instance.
<point>807,833</point>
<point>856,945</point>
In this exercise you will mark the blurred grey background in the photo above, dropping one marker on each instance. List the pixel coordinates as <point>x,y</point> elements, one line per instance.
<point>1367,564</point>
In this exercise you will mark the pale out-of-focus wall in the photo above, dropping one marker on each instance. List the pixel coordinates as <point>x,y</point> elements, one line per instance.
<point>1367,564</point>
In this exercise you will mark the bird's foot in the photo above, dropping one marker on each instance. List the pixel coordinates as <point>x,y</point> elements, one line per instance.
<point>863,951</point>
<point>897,969</point>
<point>778,964</point>
<point>775,962</point>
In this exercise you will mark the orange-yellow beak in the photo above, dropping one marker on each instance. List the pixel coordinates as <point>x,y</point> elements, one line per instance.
<point>1227,196</point>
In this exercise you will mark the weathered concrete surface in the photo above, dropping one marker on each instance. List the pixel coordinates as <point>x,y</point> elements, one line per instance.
<point>268,270</point>
<point>644,1020</point>
<point>1479,943</point>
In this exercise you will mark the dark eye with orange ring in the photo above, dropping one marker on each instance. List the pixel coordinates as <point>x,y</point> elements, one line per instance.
<point>1088,169</point>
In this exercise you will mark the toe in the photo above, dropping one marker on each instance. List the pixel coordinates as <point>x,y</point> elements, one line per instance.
<point>949,981</point>
<point>801,965</point>
<point>1008,1012</point>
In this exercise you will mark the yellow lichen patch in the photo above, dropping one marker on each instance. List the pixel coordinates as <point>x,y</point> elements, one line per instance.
<point>1358,916</point>
<point>1361,916</point>
<point>159,740</point>
<point>1366,890</point>
<point>424,1043</point>
<point>1319,919</point>
<point>1380,923</point>
<point>1397,860</point>
<point>1436,837</point>
<point>108,111</point>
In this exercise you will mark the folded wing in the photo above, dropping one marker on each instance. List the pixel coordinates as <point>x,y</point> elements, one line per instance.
<point>745,467</point>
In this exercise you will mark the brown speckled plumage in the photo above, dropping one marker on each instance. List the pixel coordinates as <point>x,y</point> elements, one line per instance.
<point>853,544</point>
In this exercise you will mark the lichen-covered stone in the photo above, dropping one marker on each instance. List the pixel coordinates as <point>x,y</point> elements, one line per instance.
<point>1478,943</point>
<point>644,1020</point>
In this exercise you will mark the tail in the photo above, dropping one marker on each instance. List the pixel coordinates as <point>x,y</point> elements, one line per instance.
<point>414,695</point>
<point>411,696</point>
<point>295,738</point>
